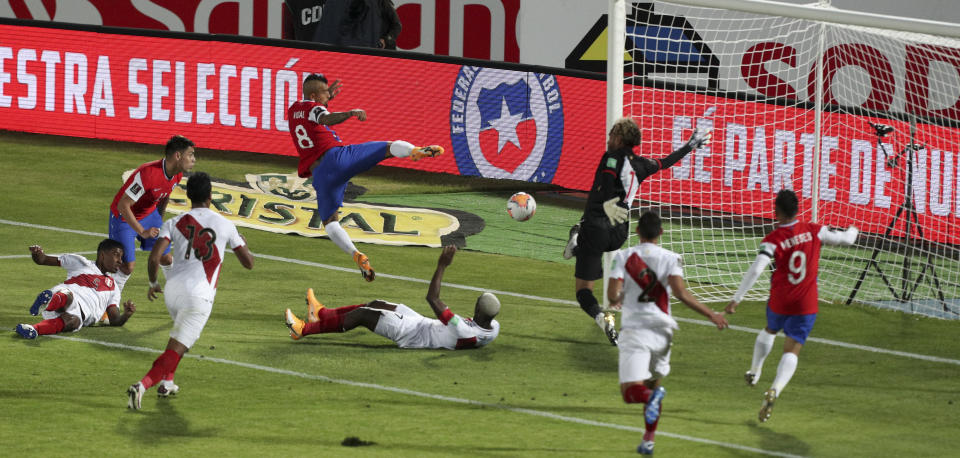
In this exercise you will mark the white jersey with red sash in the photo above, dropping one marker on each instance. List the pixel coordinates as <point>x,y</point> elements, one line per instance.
<point>644,270</point>
<point>93,291</point>
<point>199,237</point>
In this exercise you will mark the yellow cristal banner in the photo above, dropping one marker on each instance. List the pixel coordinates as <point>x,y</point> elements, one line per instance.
<point>367,223</point>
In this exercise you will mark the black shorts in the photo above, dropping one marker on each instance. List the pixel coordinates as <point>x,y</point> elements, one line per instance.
<point>596,237</point>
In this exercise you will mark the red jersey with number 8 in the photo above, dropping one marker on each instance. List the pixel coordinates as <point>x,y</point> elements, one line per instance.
<point>795,250</point>
<point>311,138</point>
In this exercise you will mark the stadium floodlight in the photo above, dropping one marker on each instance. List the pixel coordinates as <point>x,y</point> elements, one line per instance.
<point>806,97</point>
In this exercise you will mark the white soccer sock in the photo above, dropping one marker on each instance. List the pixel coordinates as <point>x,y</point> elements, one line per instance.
<point>761,348</point>
<point>400,148</point>
<point>788,365</point>
<point>120,279</point>
<point>340,237</point>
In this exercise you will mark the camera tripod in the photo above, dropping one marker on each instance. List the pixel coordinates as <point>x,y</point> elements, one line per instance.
<point>907,211</point>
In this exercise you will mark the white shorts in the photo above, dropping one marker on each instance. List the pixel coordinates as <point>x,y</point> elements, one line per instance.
<point>644,354</point>
<point>75,309</point>
<point>401,326</point>
<point>190,314</point>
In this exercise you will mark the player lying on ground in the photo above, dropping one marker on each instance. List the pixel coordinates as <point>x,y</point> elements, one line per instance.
<point>332,163</point>
<point>136,212</point>
<point>401,324</point>
<point>199,238</point>
<point>641,280</point>
<point>88,292</point>
<point>603,226</point>
<point>794,248</point>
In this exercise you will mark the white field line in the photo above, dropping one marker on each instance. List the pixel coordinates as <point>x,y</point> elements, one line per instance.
<point>834,343</point>
<point>404,391</point>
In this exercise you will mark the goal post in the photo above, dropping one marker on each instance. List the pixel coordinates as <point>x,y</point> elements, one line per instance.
<point>858,113</point>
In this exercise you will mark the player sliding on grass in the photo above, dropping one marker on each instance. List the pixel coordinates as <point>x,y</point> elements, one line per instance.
<point>333,163</point>
<point>603,226</point>
<point>794,247</point>
<point>199,238</point>
<point>641,280</point>
<point>401,324</point>
<point>88,292</point>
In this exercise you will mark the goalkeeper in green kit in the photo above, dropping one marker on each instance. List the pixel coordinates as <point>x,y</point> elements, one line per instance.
<point>603,226</point>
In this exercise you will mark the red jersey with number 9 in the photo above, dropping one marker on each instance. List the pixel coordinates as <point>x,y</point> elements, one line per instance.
<point>795,250</point>
<point>311,138</point>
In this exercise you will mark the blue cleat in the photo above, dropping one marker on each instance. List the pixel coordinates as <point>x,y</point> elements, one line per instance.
<point>26,331</point>
<point>42,300</point>
<point>652,412</point>
<point>645,448</point>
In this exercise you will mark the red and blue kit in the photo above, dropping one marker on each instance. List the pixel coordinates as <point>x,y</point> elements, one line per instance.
<point>147,186</point>
<point>311,138</point>
<point>795,251</point>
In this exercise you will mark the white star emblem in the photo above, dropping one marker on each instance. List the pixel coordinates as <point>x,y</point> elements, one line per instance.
<point>506,126</point>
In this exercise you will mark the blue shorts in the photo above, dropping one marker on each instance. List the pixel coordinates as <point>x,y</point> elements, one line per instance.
<point>338,165</point>
<point>123,233</point>
<point>797,327</point>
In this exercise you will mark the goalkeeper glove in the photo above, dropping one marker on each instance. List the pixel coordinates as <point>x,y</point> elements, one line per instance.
<point>615,213</point>
<point>699,137</point>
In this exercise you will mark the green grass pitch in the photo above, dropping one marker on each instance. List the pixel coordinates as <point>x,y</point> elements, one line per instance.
<point>546,387</point>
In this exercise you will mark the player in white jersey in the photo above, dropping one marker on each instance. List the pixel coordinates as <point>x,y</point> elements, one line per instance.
<point>200,237</point>
<point>402,324</point>
<point>641,281</point>
<point>88,292</point>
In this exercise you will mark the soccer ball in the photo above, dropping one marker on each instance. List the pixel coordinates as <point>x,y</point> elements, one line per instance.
<point>521,206</point>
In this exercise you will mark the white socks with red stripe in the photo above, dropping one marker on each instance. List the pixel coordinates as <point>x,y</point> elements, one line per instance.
<point>400,148</point>
<point>339,237</point>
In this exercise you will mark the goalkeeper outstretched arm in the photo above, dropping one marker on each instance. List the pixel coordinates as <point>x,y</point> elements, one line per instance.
<point>644,167</point>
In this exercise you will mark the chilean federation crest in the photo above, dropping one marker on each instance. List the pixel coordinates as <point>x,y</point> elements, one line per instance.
<point>506,124</point>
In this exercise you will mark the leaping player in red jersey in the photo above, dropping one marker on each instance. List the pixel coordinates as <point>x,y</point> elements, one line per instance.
<point>88,292</point>
<point>402,324</point>
<point>137,210</point>
<point>333,163</point>
<point>794,248</point>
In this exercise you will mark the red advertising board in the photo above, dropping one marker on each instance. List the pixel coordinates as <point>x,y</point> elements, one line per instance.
<point>498,123</point>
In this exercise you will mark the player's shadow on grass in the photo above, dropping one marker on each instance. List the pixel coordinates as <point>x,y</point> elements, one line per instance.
<point>772,440</point>
<point>160,421</point>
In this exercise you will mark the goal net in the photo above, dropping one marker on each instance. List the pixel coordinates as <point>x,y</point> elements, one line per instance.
<point>862,122</point>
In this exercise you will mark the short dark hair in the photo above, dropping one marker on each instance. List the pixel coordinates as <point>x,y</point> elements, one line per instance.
<point>786,203</point>
<point>177,143</point>
<point>109,244</point>
<point>198,187</point>
<point>649,226</point>
<point>316,77</point>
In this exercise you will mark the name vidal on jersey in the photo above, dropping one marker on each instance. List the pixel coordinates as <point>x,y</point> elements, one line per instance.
<point>796,240</point>
<point>299,114</point>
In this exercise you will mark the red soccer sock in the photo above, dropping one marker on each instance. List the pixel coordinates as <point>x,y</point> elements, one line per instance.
<point>51,326</point>
<point>164,364</point>
<point>347,309</point>
<point>637,394</point>
<point>57,301</point>
<point>651,428</point>
<point>330,321</point>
